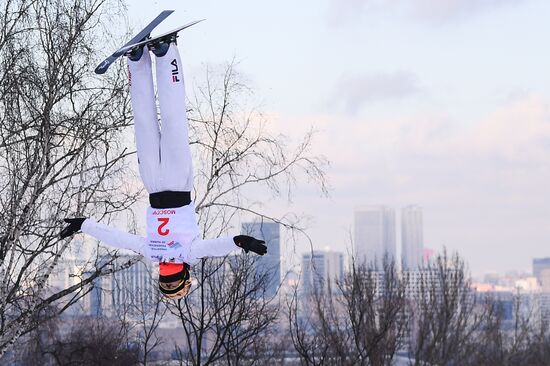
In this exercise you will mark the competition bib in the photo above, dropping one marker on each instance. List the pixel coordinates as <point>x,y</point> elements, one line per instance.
<point>170,231</point>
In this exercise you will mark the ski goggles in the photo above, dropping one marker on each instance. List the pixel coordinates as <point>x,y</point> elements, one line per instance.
<point>177,291</point>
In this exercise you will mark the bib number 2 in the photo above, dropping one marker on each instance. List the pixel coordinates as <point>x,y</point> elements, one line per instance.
<point>163,221</point>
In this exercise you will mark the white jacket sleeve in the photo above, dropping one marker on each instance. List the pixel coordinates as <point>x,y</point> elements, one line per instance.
<point>218,247</point>
<point>113,237</point>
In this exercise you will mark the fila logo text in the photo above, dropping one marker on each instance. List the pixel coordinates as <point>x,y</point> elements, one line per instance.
<point>175,71</point>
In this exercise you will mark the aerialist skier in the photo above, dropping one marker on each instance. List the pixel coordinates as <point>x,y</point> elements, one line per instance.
<point>165,167</point>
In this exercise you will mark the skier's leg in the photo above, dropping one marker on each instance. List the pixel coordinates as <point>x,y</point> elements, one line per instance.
<point>176,165</point>
<point>145,121</point>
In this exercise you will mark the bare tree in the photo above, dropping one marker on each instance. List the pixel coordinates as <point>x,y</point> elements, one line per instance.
<point>147,313</point>
<point>251,312</point>
<point>272,347</point>
<point>511,332</point>
<point>83,341</point>
<point>61,145</point>
<point>237,153</point>
<point>363,323</point>
<point>444,313</point>
<point>225,312</point>
<point>148,324</point>
<point>318,330</point>
<point>375,302</point>
<point>137,301</point>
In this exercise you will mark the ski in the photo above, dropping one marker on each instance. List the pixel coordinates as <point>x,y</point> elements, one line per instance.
<point>129,46</point>
<point>143,34</point>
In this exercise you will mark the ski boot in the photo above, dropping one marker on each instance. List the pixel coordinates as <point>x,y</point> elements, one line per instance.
<point>160,46</point>
<point>134,54</point>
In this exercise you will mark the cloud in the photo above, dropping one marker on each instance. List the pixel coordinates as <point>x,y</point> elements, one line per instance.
<point>443,10</point>
<point>434,11</point>
<point>354,91</point>
<point>342,11</point>
<point>518,131</point>
<point>513,134</point>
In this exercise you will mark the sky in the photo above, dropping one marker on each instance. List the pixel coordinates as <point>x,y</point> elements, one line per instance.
<point>440,103</point>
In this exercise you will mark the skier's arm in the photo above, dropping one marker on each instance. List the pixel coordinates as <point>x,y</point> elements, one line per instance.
<point>218,247</point>
<point>104,233</point>
<point>113,237</point>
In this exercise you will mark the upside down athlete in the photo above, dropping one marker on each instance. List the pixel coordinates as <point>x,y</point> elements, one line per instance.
<point>165,167</point>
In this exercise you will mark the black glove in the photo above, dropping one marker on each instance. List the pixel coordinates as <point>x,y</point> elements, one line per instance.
<point>74,226</point>
<point>249,243</point>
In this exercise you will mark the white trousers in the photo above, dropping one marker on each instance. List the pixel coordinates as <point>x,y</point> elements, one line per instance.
<point>163,152</point>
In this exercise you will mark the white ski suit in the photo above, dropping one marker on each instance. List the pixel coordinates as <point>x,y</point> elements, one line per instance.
<point>165,164</point>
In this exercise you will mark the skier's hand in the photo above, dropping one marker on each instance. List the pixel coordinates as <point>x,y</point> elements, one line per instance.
<point>74,226</point>
<point>249,243</point>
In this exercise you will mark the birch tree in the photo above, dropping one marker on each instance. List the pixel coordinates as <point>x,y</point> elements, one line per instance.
<point>62,151</point>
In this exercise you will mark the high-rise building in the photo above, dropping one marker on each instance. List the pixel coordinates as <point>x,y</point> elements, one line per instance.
<point>412,241</point>
<point>540,264</point>
<point>543,278</point>
<point>321,270</point>
<point>269,263</point>
<point>374,235</point>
